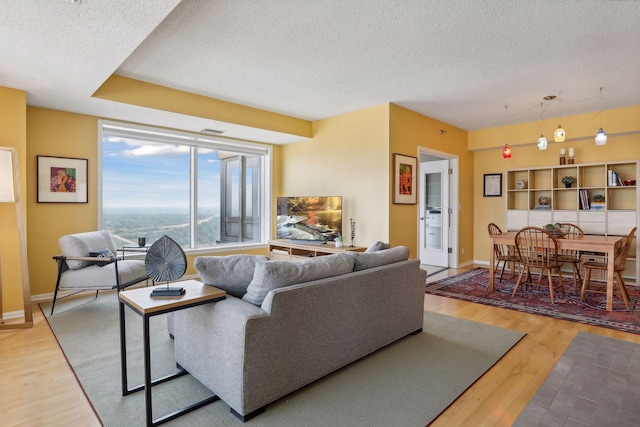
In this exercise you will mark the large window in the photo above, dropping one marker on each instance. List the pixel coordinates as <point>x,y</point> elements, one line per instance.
<point>198,190</point>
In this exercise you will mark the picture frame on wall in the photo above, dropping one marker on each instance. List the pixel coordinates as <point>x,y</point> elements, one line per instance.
<point>62,180</point>
<point>404,179</point>
<point>492,185</point>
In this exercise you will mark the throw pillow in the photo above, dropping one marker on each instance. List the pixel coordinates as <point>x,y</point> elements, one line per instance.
<point>378,246</point>
<point>231,273</point>
<point>277,274</point>
<point>364,260</point>
<point>103,253</point>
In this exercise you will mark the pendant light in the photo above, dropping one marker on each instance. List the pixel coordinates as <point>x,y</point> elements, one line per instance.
<point>542,141</point>
<point>559,134</point>
<point>601,136</point>
<point>506,152</point>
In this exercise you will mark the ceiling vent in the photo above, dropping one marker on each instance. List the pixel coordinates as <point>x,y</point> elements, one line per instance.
<point>212,131</point>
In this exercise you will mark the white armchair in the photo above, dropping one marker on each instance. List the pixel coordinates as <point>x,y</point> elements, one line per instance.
<point>89,262</point>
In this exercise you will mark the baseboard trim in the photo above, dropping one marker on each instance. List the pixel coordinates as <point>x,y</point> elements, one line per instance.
<point>49,296</point>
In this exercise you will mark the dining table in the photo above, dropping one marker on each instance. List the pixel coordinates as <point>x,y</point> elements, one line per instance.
<point>587,243</point>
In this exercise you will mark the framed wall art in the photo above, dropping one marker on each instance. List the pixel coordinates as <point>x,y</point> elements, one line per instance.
<point>404,179</point>
<point>62,180</point>
<point>492,185</point>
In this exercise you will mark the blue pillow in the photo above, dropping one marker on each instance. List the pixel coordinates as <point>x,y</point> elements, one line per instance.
<point>103,253</point>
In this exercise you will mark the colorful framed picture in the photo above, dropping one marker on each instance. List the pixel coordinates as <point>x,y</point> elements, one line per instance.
<point>404,179</point>
<point>492,185</point>
<point>62,180</point>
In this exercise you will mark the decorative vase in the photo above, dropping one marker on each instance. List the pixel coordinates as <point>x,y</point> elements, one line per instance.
<point>339,243</point>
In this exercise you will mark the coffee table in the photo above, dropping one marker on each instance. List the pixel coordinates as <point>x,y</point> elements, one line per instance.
<point>140,301</point>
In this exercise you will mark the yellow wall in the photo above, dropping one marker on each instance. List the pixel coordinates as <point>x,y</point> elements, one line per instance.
<point>348,157</point>
<point>13,116</point>
<point>136,92</point>
<point>409,131</point>
<point>492,209</point>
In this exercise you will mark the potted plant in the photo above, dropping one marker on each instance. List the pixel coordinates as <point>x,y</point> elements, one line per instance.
<point>339,241</point>
<point>568,180</point>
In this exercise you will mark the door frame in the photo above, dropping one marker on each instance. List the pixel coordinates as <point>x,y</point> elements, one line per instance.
<point>454,202</point>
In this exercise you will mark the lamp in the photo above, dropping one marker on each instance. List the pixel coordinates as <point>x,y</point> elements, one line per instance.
<point>506,152</point>
<point>559,134</point>
<point>601,136</point>
<point>542,143</point>
<point>10,193</point>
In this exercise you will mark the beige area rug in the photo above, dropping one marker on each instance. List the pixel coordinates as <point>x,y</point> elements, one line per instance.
<point>408,383</point>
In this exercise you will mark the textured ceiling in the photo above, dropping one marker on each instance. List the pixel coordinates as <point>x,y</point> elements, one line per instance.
<point>458,61</point>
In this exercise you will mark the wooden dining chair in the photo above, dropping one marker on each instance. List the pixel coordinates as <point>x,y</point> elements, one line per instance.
<point>538,250</point>
<point>618,268</point>
<point>502,253</point>
<point>572,256</point>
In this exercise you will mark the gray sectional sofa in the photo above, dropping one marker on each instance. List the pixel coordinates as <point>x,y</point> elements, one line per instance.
<point>286,324</point>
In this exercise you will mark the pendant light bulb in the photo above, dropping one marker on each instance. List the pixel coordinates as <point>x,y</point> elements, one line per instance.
<point>506,152</point>
<point>559,134</point>
<point>542,143</point>
<point>601,137</point>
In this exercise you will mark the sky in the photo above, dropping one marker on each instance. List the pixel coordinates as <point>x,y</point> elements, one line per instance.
<point>140,174</point>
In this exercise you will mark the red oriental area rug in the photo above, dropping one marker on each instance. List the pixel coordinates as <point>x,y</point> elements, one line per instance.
<point>472,286</point>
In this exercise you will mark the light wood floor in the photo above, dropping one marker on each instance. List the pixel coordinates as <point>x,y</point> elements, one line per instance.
<point>37,386</point>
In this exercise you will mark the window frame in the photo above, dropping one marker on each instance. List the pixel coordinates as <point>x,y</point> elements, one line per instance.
<point>158,134</point>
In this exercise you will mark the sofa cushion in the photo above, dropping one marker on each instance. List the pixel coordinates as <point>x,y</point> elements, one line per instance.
<point>80,244</point>
<point>365,260</point>
<point>103,253</point>
<point>231,273</point>
<point>271,275</point>
<point>378,246</point>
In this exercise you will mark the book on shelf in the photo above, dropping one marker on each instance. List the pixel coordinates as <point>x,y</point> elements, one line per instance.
<point>584,200</point>
<point>613,179</point>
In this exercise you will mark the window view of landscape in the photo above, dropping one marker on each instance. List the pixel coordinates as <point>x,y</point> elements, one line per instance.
<point>147,185</point>
<point>146,192</point>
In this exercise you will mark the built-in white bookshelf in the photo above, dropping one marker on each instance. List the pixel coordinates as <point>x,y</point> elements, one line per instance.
<point>596,202</point>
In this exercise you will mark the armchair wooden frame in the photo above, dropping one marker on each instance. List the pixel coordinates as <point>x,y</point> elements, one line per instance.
<point>62,267</point>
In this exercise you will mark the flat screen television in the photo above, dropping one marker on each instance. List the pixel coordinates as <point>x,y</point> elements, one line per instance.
<point>309,219</point>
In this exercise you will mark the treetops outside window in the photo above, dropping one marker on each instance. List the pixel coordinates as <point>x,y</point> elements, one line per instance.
<point>201,191</point>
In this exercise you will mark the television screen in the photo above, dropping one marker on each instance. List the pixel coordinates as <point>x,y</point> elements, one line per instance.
<point>309,218</point>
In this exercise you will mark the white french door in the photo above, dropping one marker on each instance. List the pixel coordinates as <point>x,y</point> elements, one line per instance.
<point>434,213</point>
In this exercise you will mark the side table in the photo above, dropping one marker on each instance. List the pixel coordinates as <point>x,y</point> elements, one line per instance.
<point>134,249</point>
<point>140,301</point>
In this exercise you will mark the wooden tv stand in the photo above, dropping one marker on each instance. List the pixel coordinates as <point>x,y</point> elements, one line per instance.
<point>283,249</point>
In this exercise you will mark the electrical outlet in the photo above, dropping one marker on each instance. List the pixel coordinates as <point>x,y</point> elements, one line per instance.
<point>462,251</point>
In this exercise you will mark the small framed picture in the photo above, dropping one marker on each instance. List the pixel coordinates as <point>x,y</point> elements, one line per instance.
<point>492,185</point>
<point>404,179</point>
<point>62,180</point>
